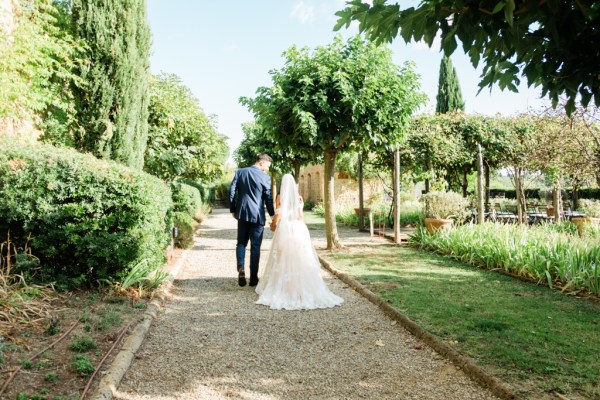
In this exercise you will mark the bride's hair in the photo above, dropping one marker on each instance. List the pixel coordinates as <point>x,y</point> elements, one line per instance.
<point>288,198</point>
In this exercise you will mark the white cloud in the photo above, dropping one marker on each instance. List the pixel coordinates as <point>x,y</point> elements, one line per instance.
<point>304,12</point>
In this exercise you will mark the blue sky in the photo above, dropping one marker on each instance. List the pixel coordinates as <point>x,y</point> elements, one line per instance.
<point>224,49</point>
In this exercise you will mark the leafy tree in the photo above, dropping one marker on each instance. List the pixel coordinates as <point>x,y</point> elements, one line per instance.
<point>337,98</point>
<point>35,64</point>
<point>287,157</point>
<point>112,99</point>
<point>555,44</point>
<point>449,97</point>
<point>182,141</point>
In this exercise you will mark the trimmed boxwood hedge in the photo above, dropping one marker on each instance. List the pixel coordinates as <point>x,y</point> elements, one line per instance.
<point>87,219</point>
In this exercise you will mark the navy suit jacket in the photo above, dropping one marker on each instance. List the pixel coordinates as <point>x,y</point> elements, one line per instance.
<point>253,189</point>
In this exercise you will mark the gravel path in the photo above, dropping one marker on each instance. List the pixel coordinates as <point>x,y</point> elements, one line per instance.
<point>213,342</point>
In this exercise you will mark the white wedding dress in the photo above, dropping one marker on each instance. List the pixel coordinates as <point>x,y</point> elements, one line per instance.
<point>292,277</point>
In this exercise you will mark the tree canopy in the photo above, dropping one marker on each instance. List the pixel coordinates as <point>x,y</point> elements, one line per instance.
<point>183,141</point>
<point>336,98</point>
<point>553,44</point>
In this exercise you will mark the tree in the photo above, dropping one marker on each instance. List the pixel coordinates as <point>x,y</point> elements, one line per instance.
<point>182,142</point>
<point>36,57</point>
<point>336,98</point>
<point>449,97</point>
<point>112,99</point>
<point>555,44</point>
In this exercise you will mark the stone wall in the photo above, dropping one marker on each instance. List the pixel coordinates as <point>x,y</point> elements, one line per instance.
<point>311,187</point>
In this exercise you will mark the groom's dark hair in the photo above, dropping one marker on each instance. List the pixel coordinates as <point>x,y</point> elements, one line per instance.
<point>263,157</point>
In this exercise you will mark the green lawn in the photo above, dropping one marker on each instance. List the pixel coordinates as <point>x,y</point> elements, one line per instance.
<point>537,339</point>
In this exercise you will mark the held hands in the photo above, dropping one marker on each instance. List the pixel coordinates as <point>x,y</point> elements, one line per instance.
<point>273,226</point>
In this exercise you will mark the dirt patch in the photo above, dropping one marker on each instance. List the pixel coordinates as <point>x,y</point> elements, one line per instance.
<point>54,355</point>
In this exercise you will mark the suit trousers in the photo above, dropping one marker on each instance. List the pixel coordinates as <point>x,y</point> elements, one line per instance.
<point>254,233</point>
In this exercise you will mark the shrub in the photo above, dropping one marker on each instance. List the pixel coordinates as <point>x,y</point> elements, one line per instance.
<point>591,208</point>
<point>88,219</point>
<point>207,191</point>
<point>186,199</point>
<point>186,226</point>
<point>444,205</point>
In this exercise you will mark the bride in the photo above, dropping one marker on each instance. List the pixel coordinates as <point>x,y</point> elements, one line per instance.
<point>292,277</point>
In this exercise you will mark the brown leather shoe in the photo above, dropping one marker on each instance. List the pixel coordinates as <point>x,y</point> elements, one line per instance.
<point>241,278</point>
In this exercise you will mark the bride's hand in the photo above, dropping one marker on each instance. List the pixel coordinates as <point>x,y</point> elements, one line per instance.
<point>273,226</point>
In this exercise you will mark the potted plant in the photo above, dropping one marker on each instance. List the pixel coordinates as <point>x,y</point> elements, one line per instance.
<point>442,208</point>
<point>591,209</point>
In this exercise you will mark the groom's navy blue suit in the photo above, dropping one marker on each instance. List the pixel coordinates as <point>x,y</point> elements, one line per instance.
<point>250,191</point>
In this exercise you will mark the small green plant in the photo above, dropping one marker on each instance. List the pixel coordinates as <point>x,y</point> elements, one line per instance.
<point>87,327</point>
<point>83,344</point>
<point>44,391</point>
<point>85,317</point>
<point>26,364</point>
<point>53,327</point>
<point>82,365</point>
<point>108,319</point>
<point>51,377</point>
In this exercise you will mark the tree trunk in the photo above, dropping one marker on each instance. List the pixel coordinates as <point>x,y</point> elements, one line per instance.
<point>361,200</point>
<point>486,170</point>
<point>480,190</point>
<point>427,182</point>
<point>397,195</point>
<point>575,196</point>
<point>297,172</point>
<point>333,240</point>
<point>556,200</point>
<point>465,183</point>
<point>274,185</point>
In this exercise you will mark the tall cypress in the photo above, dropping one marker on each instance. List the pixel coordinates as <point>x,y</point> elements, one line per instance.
<point>449,97</point>
<point>113,93</point>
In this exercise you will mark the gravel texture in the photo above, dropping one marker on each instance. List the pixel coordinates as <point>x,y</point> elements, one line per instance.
<point>212,342</point>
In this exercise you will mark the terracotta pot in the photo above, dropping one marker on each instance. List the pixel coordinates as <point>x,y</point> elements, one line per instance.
<point>366,211</point>
<point>581,222</point>
<point>435,224</point>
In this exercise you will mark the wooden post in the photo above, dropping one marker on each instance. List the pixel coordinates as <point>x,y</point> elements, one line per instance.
<point>480,188</point>
<point>518,190</point>
<point>397,195</point>
<point>361,205</point>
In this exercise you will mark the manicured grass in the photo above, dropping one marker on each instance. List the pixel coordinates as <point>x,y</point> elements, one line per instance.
<point>537,339</point>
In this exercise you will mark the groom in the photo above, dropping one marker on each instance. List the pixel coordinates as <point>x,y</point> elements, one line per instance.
<point>253,188</point>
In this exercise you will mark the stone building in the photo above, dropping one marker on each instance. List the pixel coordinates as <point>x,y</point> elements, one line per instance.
<point>311,187</point>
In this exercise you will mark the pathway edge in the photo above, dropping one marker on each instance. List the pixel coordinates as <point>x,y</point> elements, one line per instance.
<point>112,376</point>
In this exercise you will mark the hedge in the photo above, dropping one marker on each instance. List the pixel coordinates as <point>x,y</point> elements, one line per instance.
<point>207,192</point>
<point>587,193</point>
<point>88,219</point>
<point>186,199</point>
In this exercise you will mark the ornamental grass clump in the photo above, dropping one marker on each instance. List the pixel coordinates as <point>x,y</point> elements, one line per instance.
<point>535,253</point>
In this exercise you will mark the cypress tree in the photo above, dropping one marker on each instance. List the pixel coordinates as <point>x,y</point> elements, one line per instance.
<point>449,97</point>
<point>113,93</point>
